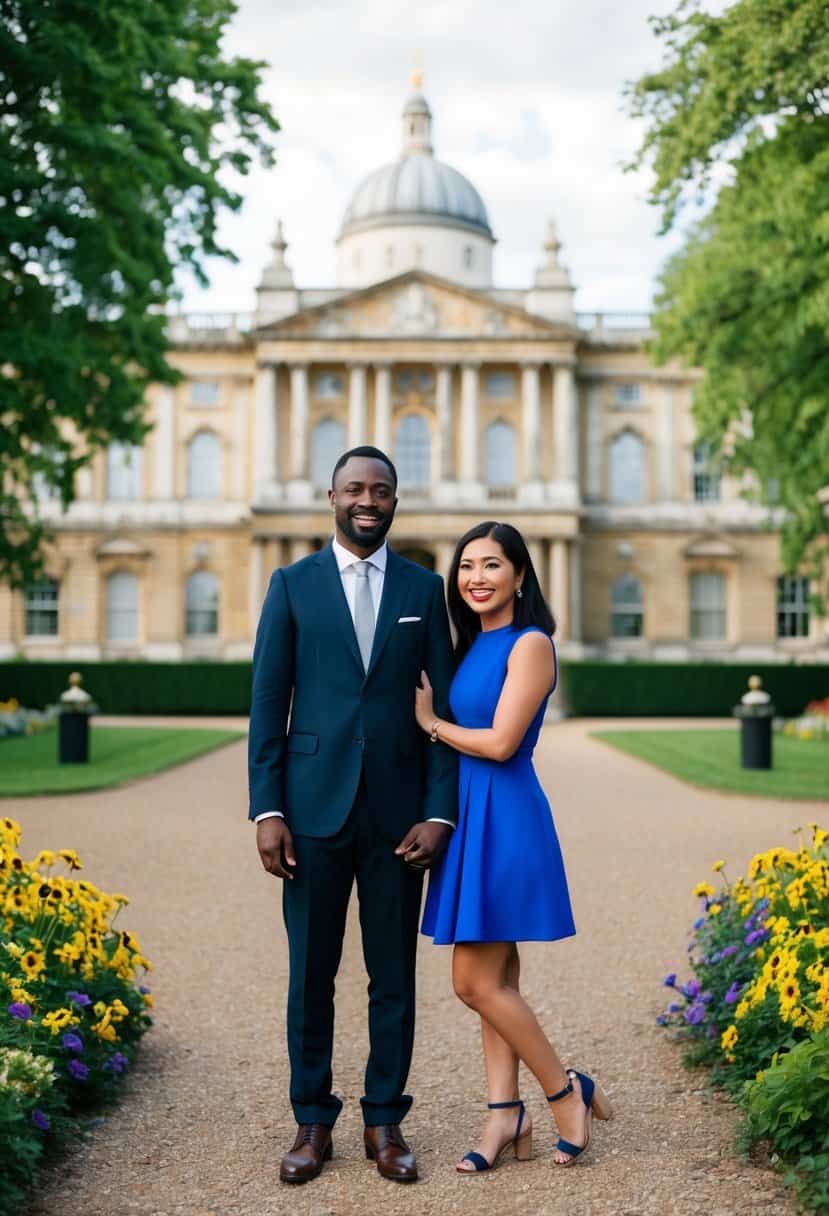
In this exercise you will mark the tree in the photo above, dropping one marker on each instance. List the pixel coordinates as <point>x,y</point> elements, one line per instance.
<point>121,122</point>
<point>736,122</point>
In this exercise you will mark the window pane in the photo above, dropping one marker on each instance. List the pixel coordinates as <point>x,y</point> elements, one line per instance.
<point>500,454</point>
<point>329,384</point>
<point>205,392</point>
<point>412,452</point>
<point>204,466</point>
<point>122,607</point>
<point>499,384</point>
<point>414,381</point>
<point>627,394</point>
<point>41,609</point>
<point>627,468</point>
<point>202,605</point>
<point>708,606</point>
<point>123,471</point>
<point>626,607</point>
<point>327,445</point>
<point>793,606</point>
<point>706,475</point>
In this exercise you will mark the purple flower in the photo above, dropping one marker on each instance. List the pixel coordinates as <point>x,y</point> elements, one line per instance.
<point>77,1070</point>
<point>727,951</point>
<point>116,1063</point>
<point>40,1119</point>
<point>20,1010</point>
<point>699,922</point>
<point>691,989</point>
<point>674,1008</point>
<point>733,995</point>
<point>72,1042</point>
<point>756,935</point>
<point>706,998</point>
<point>79,998</point>
<point>695,1014</point>
<point>670,980</point>
<point>143,990</point>
<point>661,1020</point>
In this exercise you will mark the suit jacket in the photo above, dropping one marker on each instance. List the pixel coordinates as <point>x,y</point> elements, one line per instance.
<point>343,720</point>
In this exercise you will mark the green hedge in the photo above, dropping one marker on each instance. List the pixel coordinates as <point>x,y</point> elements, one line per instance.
<point>594,688</point>
<point>590,688</point>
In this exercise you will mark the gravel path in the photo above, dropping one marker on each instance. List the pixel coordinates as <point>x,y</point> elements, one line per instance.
<point>206,1118</point>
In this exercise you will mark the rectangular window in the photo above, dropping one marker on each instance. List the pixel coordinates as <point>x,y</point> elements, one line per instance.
<point>499,384</point>
<point>205,392</point>
<point>41,605</point>
<point>627,394</point>
<point>414,381</point>
<point>328,385</point>
<point>708,607</point>
<point>792,607</point>
<point>705,475</point>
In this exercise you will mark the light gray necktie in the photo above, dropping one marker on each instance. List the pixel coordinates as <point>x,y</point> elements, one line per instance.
<point>363,612</point>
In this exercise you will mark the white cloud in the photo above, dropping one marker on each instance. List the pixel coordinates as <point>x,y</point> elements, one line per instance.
<point>527,102</point>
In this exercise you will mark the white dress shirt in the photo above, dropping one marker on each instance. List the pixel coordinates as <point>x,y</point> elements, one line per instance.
<point>346,561</point>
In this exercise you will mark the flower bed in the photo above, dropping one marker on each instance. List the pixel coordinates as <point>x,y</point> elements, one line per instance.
<point>756,1011</point>
<point>72,1011</point>
<point>16,721</point>
<point>813,723</point>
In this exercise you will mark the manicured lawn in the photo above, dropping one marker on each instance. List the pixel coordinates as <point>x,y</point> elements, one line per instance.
<point>711,758</point>
<point>117,754</point>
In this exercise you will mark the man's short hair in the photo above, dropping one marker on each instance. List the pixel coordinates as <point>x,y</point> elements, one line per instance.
<point>365,450</point>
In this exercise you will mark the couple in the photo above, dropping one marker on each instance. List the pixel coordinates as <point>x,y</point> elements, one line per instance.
<point>353,646</point>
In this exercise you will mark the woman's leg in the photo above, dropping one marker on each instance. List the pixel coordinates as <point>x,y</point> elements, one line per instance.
<point>501,1065</point>
<point>477,976</point>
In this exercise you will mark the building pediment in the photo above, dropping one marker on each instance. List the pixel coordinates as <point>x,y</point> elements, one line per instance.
<point>711,546</point>
<point>414,304</point>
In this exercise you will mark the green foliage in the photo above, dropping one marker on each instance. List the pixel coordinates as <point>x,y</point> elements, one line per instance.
<point>121,129</point>
<point>741,104</point>
<point>788,1105</point>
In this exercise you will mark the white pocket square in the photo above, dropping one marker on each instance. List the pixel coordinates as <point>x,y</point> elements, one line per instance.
<point>403,620</point>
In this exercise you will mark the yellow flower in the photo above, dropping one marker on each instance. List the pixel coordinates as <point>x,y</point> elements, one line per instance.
<point>147,999</point>
<point>45,859</point>
<point>32,963</point>
<point>729,1038</point>
<point>789,997</point>
<point>703,889</point>
<point>742,1009</point>
<point>717,866</point>
<point>71,858</point>
<point>57,1020</point>
<point>67,954</point>
<point>714,909</point>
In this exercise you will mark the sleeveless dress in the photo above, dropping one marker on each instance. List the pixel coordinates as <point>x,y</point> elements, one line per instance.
<point>502,877</point>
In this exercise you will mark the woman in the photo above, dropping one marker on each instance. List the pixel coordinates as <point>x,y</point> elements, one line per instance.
<point>502,879</point>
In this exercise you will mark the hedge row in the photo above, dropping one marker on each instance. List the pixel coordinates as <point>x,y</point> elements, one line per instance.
<point>590,688</point>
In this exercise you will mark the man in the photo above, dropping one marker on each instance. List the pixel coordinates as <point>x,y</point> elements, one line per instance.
<point>351,789</point>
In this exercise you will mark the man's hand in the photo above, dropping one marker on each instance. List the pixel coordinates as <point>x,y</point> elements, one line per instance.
<point>423,844</point>
<point>276,846</point>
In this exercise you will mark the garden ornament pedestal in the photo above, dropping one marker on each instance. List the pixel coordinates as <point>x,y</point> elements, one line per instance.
<point>755,713</point>
<point>74,711</point>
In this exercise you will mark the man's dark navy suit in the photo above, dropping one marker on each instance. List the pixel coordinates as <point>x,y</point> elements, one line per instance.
<point>352,772</point>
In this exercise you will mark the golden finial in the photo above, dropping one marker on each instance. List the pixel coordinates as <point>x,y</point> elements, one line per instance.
<point>417,71</point>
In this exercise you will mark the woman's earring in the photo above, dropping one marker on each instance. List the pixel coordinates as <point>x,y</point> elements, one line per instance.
<point>519,592</point>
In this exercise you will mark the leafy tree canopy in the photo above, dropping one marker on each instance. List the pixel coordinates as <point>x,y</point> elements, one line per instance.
<point>737,119</point>
<point>121,123</point>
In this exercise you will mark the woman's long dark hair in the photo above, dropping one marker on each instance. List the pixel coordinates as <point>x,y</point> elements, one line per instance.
<point>529,609</point>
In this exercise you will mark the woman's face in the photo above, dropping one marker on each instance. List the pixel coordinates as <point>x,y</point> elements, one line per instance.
<point>487,580</point>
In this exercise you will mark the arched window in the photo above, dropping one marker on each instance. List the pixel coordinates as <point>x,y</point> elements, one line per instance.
<point>202,605</point>
<point>123,471</point>
<point>627,468</point>
<point>122,607</point>
<point>411,452</point>
<point>204,466</point>
<point>626,607</point>
<point>708,606</point>
<point>327,445</point>
<point>500,454</point>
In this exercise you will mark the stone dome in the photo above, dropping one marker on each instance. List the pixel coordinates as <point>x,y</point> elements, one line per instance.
<point>415,189</point>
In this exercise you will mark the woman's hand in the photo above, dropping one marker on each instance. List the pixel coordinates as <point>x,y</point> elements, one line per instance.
<point>424,704</point>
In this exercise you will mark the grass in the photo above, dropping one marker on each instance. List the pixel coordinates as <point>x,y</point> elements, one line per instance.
<point>711,759</point>
<point>117,754</point>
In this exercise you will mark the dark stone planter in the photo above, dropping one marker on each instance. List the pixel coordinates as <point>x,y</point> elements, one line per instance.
<point>755,735</point>
<point>73,738</point>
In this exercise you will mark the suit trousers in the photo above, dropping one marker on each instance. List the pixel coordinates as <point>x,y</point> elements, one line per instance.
<point>315,903</point>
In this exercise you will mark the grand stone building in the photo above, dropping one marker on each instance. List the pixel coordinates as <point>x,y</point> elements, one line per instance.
<point>494,403</point>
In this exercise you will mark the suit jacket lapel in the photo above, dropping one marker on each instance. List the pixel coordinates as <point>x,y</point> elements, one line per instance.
<point>334,595</point>
<point>390,605</point>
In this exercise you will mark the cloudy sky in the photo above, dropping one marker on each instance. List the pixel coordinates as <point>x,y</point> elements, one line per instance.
<point>527,102</point>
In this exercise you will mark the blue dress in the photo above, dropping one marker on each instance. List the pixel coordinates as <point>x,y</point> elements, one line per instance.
<point>502,877</point>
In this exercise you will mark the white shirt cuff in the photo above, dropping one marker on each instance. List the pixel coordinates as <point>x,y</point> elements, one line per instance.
<point>268,815</point>
<point>448,822</point>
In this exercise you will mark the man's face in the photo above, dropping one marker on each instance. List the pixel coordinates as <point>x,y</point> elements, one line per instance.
<point>364,501</point>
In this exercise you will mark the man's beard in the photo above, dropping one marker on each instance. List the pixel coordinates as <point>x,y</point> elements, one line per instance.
<point>363,536</point>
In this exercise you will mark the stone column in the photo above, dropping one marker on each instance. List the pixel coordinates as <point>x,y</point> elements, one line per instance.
<point>565,422</point>
<point>443,408</point>
<point>575,591</point>
<point>164,447</point>
<point>593,455</point>
<point>266,434</point>
<point>444,552</point>
<point>356,405</point>
<point>299,487</point>
<point>536,551</point>
<point>239,484</point>
<point>469,455</point>
<point>299,547</point>
<point>382,407</point>
<point>667,490</point>
<point>559,592</point>
<point>256,589</point>
<point>532,489</point>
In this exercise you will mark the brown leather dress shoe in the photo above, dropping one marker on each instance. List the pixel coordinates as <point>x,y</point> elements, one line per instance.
<point>395,1160</point>
<point>312,1148</point>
